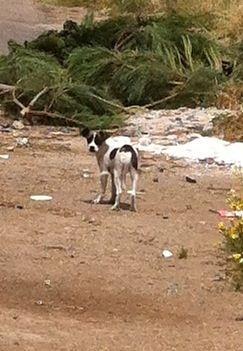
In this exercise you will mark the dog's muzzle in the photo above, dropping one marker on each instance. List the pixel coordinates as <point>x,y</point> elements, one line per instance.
<point>92,149</point>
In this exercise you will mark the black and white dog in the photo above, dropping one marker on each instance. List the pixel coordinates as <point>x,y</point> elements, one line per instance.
<point>115,156</point>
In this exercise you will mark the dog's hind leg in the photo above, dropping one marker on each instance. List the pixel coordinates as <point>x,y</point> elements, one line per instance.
<point>113,190</point>
<point>103,183</point>
<point>123,177</point>
<point>134,178</point>
<point>117,182</point>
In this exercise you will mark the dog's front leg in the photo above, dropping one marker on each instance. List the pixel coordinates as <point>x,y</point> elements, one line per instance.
<point>103,183</point>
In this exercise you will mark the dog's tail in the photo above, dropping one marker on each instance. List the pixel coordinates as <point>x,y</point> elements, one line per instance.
<point>128,156</point>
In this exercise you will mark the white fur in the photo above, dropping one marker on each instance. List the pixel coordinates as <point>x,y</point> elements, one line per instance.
<point>123,166</point>
<point>117,141</point>
<point>93,143</point>
<point>118,167</point>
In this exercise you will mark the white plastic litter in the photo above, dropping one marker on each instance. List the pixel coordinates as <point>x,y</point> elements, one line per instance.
<point>22,141</point>
<point>41,198</point>
<point>201,148</point>
<point>145,140</point>
<point>4,157</point>
<point>167,254</point>
<point>152,148</point>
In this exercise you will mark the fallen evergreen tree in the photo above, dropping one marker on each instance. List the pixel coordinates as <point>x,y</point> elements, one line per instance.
<point>95,71</point>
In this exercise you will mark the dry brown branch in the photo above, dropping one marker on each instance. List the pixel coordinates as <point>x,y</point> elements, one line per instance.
<point>28,112</point>
<point>46,114</point>
<point>42,92</point>
<point>5,88</point>
<point>16,101</point>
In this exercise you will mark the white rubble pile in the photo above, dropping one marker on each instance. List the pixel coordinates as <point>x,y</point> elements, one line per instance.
<point>178,134</point>
<point>203,148</point>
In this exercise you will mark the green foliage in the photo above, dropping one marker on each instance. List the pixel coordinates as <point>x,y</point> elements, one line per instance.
<point>233,243</point>
<point>139,78</point>
<point>30,71</point>
<point>94,67</point>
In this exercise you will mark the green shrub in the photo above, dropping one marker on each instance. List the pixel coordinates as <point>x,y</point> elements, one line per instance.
<point>233,243</point>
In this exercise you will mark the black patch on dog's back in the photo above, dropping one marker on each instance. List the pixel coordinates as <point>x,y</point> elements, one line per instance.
<point>113,154</point>
<point>129,148</point>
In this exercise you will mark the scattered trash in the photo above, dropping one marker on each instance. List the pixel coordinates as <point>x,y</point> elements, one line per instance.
<point>10,148</point>
<point>19,207</point>
<point>138,192</point>
<point>183,253</point>
<point>22,142</point>
<point>214,188</point>
<point>218,278</point>
<point>145,140</point>
<point>39,303</point>
<point>156,180</point>
<point>230,214</point>
<point>204,148</point>
<point>190,180</point>
<point>239,319</point>
<point>172,289</point>
<point>56,247</point>
<point>47,282</point>
<point>86,173</point>
<point>41,198</point>
<point>167,254</point>
<point>213,211</point>
<point>4,157</point>
<point>6,129</point>
<point>18,125</point>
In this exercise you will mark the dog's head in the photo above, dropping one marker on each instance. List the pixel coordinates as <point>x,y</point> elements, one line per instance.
<point>94,139</point>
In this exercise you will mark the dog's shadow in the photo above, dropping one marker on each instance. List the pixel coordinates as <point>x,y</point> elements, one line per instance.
<point>123,205</point>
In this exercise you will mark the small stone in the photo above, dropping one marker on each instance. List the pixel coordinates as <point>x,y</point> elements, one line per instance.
<point>161,169</point>
<point>172,289</point>
<point>47,282</point>
<point>191,180</point>
<point>22,142</point>
<point>18,125</point>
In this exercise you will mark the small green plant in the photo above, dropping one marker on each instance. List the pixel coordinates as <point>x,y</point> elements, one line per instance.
<point>183,253</point>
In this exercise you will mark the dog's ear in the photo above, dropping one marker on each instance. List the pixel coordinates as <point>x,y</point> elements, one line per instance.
<point>104,135</point>
<point>84,132</point>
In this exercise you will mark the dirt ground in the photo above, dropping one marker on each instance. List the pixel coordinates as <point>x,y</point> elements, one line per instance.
<point>22,20</point>
<point>76,276</point>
